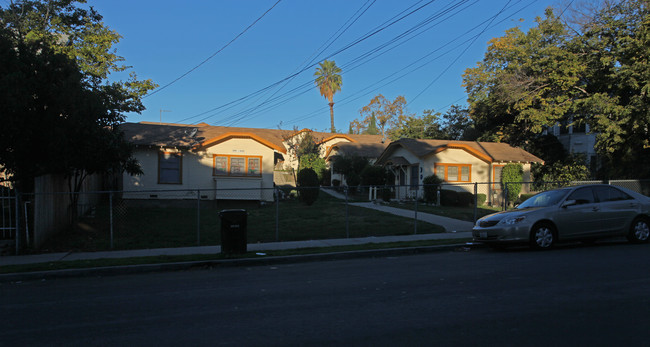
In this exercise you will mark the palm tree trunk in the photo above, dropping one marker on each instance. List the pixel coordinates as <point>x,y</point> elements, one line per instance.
<point>332,116</point>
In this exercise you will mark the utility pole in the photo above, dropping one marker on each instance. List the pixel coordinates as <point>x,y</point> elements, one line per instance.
<point>161,112</point>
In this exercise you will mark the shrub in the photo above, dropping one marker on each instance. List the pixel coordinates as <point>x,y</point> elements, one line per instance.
<point>480,199</point>
<point>372,175</point>
<point>511,177</point>
<point>308,181</point>
<point>465,199</point>
<point>315,162</point>
<point>431,186</point>
<point>448,197</point>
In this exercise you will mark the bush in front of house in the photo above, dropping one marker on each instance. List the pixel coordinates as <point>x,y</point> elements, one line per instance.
<point>456,199</point>
<point>480,199</point>
<point>448,197</point>
<point>307,180</point>
<point>431,186</point>
<point>373,175</point>
<point>511,177</point>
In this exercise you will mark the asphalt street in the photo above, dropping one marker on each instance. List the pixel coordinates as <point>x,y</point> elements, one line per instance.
<point>574,295</point>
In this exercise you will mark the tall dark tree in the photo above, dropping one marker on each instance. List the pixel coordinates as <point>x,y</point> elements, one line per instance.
<point>59,112</point>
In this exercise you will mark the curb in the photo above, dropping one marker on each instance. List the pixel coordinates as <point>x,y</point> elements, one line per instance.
<point>181,266</point>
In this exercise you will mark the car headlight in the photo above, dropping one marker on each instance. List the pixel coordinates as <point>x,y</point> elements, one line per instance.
<point>513,220</point>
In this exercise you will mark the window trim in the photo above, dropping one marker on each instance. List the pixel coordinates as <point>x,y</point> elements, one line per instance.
<point>460,171</point>
<point>229,157</point>
<point>161,154</point>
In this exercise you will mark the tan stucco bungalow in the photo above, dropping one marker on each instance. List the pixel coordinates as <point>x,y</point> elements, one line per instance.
<point>236,163</point>
<point>461,163</point>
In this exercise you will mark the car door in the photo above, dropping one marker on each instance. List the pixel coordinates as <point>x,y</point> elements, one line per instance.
<point>617,208</point>
<point>581,218</point>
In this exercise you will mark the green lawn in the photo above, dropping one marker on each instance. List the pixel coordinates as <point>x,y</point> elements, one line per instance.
<point>159,227</point>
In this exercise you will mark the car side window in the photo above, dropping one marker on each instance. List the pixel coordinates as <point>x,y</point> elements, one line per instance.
<point>605,194</point>
<point>582,196</point>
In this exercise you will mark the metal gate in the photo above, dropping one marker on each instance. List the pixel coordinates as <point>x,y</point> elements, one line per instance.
<point>8,220</point>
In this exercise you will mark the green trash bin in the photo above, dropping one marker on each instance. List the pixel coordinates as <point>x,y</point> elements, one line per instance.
<point>233,231</point>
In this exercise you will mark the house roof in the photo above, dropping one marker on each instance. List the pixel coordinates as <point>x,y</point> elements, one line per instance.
<point>184,136</point>
<point>362,149</point>
<point>486,151</point>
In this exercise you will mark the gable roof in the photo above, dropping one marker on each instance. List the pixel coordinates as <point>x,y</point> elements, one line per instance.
<point>180,135</point>
<point>486,151</point>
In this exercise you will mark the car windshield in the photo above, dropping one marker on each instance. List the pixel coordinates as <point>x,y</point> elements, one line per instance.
<point>544,199</point>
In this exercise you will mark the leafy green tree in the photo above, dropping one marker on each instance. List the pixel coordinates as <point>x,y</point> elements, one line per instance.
<point>591,73</point>
<point>373,175</point>
<point>59,113</point>
<point>559,173</point>
<point>383,114</point>
<point>329,82</point>
<point>315,162</point>
<point>426,126</point>
<point>350,167</point>
<point>511,179</point>
<point>526,81</point>
<point>456,124</point>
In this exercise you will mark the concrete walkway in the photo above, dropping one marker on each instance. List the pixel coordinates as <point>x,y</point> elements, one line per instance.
<point>450,224</point>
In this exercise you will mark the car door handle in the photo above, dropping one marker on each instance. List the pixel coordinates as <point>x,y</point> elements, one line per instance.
<point>596,209</point>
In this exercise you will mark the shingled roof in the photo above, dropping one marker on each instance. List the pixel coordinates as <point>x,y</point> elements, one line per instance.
<point>487,151</point>
<point>184,135</point>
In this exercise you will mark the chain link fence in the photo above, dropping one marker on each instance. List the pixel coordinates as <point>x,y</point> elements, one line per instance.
<point>116,220</point>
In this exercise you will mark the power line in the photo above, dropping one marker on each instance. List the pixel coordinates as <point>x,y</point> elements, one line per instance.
<point>214,54</point>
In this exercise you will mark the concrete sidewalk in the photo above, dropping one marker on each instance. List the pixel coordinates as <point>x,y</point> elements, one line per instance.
<point>253,247</point>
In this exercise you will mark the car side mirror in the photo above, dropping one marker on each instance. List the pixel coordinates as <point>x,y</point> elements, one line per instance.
<point>568,203</point>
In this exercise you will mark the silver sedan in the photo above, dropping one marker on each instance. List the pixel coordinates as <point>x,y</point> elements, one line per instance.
<point>585,212</point>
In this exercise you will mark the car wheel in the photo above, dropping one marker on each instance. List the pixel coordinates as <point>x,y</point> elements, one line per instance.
<point>542,236</point>
<point>639,231</point>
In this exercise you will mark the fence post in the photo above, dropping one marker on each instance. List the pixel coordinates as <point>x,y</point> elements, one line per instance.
<point>475,200</point>
<point>505,196</point>
<point>198,217</point>
<point>17,216</point>
<point>347,214</point>
<point>110,215</point>
<point>415,221</point>
<point>277,214</point>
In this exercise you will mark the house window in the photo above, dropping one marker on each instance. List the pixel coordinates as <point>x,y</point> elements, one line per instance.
<point>170,168</point>
<point>237,165</point>
<point>454,172</point>
<point>415,176</point>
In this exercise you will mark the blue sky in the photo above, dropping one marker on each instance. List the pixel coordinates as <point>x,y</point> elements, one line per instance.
<point>162,40</point>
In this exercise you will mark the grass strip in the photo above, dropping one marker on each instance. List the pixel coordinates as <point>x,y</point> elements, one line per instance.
<point>84,264</point>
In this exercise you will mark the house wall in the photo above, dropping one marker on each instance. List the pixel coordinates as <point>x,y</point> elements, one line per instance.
<point>198,173</point>
<point>480,172</point>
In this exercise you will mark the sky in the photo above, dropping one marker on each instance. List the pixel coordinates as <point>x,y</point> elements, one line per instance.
<point>251,63</point>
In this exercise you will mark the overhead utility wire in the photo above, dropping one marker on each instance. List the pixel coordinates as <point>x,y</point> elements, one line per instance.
<point>352,97</point>
<point>309,60</point>
<point>378,28</point>
<point>461,53</point>
<point>359,59</point>
<point>214,54</point>
<point>312,65</point>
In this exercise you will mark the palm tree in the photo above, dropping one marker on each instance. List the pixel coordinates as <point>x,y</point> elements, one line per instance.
<point>329,81</point>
